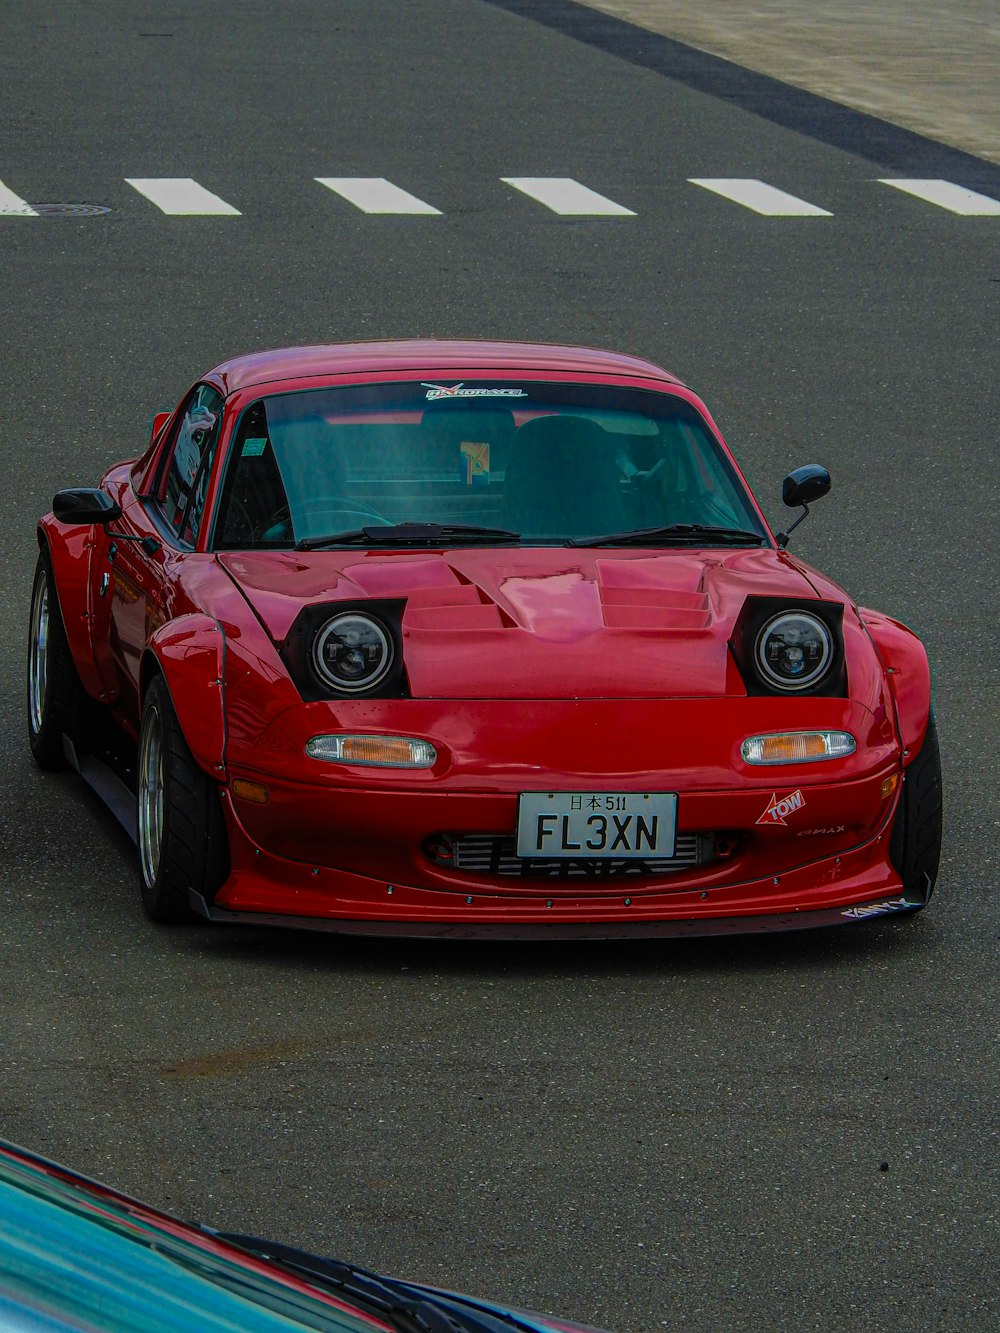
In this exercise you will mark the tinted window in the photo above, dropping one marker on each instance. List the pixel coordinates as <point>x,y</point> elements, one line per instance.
<point>549,461</point>
<point>189,466</point>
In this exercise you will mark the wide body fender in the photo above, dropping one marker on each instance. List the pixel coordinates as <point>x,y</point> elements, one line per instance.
<point>190,653</point>
<point>72,551</point>
<point>908,670</point>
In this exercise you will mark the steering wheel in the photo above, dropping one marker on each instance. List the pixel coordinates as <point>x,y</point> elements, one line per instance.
<point>323,513</point>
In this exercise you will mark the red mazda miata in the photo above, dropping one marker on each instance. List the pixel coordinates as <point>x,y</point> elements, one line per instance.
<point>475,638</point>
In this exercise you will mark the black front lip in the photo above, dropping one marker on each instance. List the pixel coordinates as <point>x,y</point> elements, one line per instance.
<point>693,928</point>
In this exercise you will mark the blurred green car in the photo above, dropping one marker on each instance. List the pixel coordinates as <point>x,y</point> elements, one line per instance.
<point>77,1255</point>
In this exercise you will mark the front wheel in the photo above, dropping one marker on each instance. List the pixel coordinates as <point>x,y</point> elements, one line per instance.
<point>55,696</point>
<point>915,847</point>
<point>181,834</point>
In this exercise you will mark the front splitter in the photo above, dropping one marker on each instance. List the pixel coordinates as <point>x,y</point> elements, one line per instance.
<point>764,923</point>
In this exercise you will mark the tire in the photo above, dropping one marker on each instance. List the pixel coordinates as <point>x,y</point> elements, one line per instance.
<point>180,832</point>
<point>55,697</point>
<point>915,846</point>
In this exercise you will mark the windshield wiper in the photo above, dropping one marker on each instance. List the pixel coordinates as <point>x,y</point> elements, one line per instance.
<point>674,534</point>
<point>411,534</point>
<point>381,1295</point>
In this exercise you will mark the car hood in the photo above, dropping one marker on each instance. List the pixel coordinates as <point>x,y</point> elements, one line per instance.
<point>547,622</point>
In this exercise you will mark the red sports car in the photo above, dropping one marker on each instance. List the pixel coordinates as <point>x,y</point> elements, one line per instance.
<point>475,638</point>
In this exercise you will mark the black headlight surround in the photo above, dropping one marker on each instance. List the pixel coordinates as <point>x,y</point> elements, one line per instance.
<point>756,613</point>
<point>307,634</point>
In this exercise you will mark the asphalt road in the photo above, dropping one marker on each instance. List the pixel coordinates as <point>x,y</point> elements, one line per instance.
<point>792,1132</point>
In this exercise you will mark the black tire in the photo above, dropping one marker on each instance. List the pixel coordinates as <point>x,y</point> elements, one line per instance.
<point>915,846</point>
<point>55,697</point>
<point>180,831</point>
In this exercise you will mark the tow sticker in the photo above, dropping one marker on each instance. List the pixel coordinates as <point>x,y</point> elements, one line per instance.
<point>778,808</point>
<point>459,391</point>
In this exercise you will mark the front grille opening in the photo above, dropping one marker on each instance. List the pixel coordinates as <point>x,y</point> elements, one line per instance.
<point>494,854</point>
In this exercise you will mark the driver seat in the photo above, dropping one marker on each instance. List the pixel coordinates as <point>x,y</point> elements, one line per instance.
<point>562,480</point>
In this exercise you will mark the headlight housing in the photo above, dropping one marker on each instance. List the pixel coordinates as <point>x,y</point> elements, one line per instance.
<point>790,646</point>
<point>793,650</point>
<point>347,650</point>
<point>352,652</point>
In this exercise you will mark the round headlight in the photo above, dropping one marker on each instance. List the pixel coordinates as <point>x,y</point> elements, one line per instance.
<point>352,652</point>
<point>793,650</point>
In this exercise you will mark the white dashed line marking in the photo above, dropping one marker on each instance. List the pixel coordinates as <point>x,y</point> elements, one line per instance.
<point>374,194</point>
<point>11,206</point>
<point>955,198</point>
<point>182,197</point>
<point>762,198</point>
<point>567,197</point>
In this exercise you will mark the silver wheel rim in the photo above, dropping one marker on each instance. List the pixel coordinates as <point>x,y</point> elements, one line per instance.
<point>150,795</point>
<point>38,654</point>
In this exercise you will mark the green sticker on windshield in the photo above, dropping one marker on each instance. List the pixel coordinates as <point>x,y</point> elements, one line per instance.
<point>254,447</point>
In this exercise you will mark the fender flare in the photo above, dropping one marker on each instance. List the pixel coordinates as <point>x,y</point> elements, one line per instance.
<point>190,654</point>
<point>908,672</point>
<point>69,551</point>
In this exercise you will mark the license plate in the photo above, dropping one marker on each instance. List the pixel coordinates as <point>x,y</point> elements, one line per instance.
<point>587,825</point>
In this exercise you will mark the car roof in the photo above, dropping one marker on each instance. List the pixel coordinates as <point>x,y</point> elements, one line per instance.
<point>427,356</point>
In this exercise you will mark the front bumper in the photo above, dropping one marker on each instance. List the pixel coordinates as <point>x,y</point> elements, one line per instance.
<point>850,885</point>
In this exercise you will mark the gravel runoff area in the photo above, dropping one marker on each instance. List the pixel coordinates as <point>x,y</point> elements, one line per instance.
<point>920,64</point>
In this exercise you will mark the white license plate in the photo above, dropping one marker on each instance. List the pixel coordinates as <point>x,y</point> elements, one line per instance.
<point>601,824</point>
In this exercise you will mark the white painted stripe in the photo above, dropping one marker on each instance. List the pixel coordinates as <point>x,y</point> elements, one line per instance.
<point>12,206</point>
<point>567,197</point>
<point>374,194</point>
<point>955,198</point>
<point>182,197</point>
<point>765,199</point>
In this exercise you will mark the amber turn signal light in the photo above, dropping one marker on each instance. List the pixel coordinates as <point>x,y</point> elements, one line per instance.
<point>374,751</point>
<point>250,791</point>
<point>797,747</point>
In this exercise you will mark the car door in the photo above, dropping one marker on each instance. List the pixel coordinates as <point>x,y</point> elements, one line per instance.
<point>144,581</point>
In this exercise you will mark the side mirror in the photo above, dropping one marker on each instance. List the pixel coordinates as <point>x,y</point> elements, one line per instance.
<point>801,487</point>
<point>805,485</point>
<point>84,505</point>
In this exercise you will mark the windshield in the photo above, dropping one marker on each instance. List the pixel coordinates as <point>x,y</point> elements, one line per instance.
<point>484,461</point>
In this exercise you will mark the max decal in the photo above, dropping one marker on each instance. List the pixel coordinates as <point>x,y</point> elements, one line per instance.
<point>778,808</point>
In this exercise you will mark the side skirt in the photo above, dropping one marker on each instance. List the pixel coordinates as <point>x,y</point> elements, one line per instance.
<point>103,776</point>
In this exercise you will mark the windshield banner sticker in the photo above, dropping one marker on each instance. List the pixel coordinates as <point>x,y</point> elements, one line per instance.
<point>458,391</point>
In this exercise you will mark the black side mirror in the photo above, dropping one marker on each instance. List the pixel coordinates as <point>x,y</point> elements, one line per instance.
<point>84,505</point>
<point>801,487</point>
<point>805,485</point>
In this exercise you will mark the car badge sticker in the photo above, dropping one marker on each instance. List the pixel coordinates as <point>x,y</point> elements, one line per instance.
<point>253,447</point>
<point>475,462</point>
<point>435,391</point>
<point>878,909</point>
<point>779,807</point>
